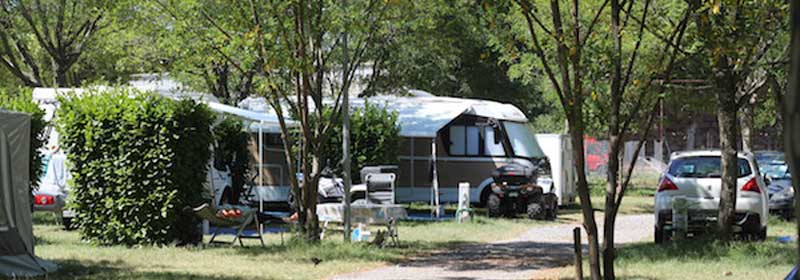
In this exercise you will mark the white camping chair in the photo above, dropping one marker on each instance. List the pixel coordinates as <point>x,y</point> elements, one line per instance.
<point>380,188</point>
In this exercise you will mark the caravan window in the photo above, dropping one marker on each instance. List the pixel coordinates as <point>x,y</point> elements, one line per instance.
<point>473,140</point>
<point>469,141</point>
<point>492,148</point>
<point>458,140</point>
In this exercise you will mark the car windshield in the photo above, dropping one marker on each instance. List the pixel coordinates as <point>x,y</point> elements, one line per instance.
<point>703,167</point>
<point>522,140</point>
<point>773,165</point>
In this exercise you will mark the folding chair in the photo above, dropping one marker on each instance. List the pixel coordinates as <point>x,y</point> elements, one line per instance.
<point>380,188</point>
<point>248,218</point>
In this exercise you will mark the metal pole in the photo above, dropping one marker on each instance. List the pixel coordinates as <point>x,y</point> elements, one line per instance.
<point>346,136</point>
<point>435,183</point>
<point>260,171</point>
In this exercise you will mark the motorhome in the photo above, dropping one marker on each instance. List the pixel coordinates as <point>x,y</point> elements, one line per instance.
<point>471,138</point>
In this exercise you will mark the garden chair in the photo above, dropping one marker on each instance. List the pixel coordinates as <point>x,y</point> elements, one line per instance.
<point>248,219</point>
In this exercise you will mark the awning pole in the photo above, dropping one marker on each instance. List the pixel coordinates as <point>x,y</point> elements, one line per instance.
<point>261,170</point>
<point>435,183</point>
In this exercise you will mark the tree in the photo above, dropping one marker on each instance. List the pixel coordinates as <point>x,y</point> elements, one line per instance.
<point>735,37</point>
<point>295,48</point>
<point>614,99</point>
<point>626,70</point>
<point>560,44</point>
<point>60,30</point>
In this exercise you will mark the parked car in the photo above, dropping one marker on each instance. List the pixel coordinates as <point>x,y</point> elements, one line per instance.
<point>596,155</point>
<point>695,177</point>
<point>54,188</point>
<point>779,184</point>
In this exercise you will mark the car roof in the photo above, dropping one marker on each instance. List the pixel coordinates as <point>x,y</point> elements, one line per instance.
<point>699,153</point>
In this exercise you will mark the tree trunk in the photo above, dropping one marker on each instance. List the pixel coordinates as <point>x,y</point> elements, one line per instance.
<point>60,73</point>
<point>791,116</point>
<point>726,116</point>
<point>589,224</point>
<point>614,144</point>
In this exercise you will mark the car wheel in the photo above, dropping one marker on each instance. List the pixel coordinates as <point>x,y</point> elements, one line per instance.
<point>494,205</point>
<point>761,235</point>
<point>660,236</point>
<point>67,223</point>
<point>536,212</point>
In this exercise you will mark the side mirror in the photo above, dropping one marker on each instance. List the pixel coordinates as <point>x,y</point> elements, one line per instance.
<point>767,180</point>
<point>498,135</point>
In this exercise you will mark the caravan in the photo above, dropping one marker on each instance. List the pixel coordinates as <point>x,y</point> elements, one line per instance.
<point>463,140</point>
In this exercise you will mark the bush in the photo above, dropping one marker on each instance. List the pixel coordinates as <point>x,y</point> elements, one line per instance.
<point>22,101</point>
<point>231,152</point>
<point>137,162</point>
<point>375,139</point>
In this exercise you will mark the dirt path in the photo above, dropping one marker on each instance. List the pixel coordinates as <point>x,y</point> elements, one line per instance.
<point>538,248</point>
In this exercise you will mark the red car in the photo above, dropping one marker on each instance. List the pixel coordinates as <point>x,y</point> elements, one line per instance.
<point>596,155</point>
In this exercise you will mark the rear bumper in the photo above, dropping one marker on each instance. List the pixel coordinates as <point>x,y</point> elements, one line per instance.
<point>781,204</point>
<point>703,220</point>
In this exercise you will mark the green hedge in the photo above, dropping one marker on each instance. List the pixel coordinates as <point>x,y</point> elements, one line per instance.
<point>22,101</point>
<point>137,162</point>
<point>375,139</point>
<point>231,142</point>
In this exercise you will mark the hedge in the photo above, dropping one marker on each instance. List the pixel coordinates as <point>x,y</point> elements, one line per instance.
<point>231,142</point>
<point>22,101</point>
<point>137,163</point>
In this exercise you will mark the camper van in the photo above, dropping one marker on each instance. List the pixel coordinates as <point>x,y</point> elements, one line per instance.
<point>464,140</point>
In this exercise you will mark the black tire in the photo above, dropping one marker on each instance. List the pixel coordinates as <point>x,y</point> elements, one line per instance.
<point>494,205</point>
<point>536,211</point>
<point>660,236</point>
<point>551,211</point>
<point>67,223</point>
<point>762,234</point>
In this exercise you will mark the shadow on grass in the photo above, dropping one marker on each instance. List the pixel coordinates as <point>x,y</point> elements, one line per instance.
<point>705,249</point>
<point>72,269</point>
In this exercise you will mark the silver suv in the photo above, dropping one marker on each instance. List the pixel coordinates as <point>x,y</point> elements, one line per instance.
<point>694,177</point>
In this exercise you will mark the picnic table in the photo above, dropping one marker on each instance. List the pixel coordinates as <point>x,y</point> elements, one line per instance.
<point>368,214</point>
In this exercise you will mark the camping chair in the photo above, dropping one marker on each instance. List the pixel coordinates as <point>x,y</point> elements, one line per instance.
<point>380,188</point>
<point>248,218</point>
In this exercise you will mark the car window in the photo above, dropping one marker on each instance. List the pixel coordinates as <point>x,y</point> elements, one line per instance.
<point>703,167</point>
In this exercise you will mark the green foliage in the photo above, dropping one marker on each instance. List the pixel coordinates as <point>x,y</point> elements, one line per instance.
<point>137,162</point>
<point>22,101</point>
<point>375,140</point>
<point>231,142</point>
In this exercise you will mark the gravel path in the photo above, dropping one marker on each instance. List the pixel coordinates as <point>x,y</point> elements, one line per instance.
<point>538,248</point>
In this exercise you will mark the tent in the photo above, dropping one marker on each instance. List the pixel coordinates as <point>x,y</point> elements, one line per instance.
<point>16,230</point>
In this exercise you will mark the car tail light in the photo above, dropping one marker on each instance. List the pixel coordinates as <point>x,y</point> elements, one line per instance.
<point>43,199</point>
<point>751,186</point>
<point>667,185</point>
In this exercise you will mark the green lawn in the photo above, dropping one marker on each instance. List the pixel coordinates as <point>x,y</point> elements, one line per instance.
<point>703,259</point>
<point>290,261</point>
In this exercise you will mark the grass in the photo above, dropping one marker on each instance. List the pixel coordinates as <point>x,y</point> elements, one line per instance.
<point>292,260</point>
<point>703,259</point>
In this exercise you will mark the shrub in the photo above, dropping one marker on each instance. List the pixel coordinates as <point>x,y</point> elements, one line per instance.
<point>22,101</point>
<point>231,152</point>
<point>137,162</point>
<point>374,140</point>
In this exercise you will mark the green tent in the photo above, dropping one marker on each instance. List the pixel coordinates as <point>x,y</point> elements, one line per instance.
<point>16,231</point>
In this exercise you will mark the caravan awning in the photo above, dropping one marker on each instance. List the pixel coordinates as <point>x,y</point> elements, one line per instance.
<point>422,116</point>
<point>269,122</point>
<point>425,116</point>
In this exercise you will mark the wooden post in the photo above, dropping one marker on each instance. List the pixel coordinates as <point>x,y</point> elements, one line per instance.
<point>576,234</point>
